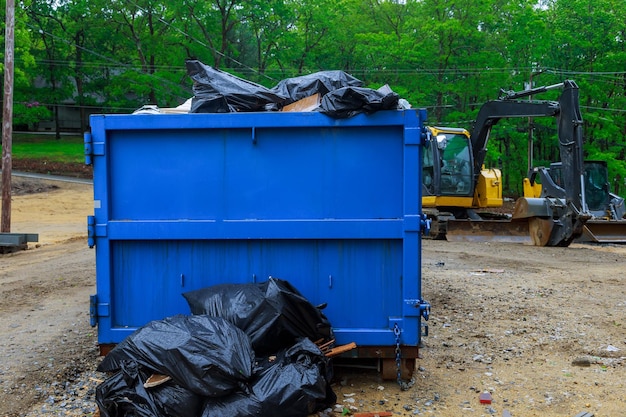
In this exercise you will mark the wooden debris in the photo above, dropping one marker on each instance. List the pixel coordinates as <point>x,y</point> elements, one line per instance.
<point>324,347</point>
<point>340,349</point>
<point>306,104</point>
<point>155,380</point>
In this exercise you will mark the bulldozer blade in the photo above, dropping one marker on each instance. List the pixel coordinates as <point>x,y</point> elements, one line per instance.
<point>504,231</point>
<point>604,231</point>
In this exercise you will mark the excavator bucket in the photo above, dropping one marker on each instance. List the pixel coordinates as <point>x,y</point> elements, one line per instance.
<point>530,225</point>
<point>501,231</point>
<point>604,231</point>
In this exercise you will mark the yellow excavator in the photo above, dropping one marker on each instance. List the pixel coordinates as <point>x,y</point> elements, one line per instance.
<point>457,190</point>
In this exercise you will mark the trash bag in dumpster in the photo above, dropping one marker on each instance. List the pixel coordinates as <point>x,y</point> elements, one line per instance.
<point>206,355</point>
<point>216,91</point>
<point>272,313</point>
<point>295,382</point>
<point>321,83</point>
<point>350,101</point>
<point>124,394</point>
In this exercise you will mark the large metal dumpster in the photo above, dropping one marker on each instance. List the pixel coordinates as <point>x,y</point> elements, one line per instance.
<point>186,201</point>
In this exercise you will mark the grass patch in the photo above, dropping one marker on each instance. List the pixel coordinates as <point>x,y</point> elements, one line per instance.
<point>68,149</point>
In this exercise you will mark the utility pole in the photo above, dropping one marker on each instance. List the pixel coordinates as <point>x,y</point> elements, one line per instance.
<point>9,242</point>
<point>7,116</point>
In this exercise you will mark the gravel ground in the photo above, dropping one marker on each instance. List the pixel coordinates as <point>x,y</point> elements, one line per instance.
<point>540,329</point>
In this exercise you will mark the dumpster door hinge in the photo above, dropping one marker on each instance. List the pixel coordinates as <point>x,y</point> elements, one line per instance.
<point>92,310</point>
<point>91,231</point>
<point>91,149</point>
<point>97,310</point>
<point>88,141</point>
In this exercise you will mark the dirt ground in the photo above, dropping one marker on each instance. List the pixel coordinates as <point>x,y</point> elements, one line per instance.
<point>541,329</point>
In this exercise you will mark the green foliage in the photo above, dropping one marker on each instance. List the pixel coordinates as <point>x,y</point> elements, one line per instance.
<point>444,56</point>
<point>29,114</point>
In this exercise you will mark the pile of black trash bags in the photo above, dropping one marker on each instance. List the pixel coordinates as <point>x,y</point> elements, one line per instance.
<point>342,95</point>
<point>246,350</point>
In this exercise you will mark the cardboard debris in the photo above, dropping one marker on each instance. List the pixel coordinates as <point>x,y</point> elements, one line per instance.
<point>309,103</point>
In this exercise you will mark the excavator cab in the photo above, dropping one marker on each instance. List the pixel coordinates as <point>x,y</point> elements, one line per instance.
<point>596,184</point>
<point>451,188</point>
<point>601,203</point>
<point>447,164</point>
<point>597,188</point>
<point>607,224</point>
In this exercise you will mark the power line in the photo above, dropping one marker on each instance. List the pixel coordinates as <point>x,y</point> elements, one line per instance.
<point>401,71</point>
<point>187,35</point>
<point>119,64</point>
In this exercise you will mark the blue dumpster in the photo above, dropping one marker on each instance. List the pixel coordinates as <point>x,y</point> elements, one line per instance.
<point>187,201</point>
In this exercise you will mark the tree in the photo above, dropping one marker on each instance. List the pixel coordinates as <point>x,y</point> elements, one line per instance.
<point>27,109</point>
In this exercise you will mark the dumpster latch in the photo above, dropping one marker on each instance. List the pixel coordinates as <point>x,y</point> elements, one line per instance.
<point>425,224</point>
<point>426,137</point>
<point>415,307</point>
<point>424,308</point>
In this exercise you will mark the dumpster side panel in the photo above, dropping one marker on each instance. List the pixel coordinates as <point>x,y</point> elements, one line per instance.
<point>352,276</point>
<point>222,174</point>
<point>187,201</point>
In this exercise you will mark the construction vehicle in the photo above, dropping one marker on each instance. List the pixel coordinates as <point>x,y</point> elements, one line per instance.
<point>457,188</point>
<point>607,223</point>
<point>449,190</point>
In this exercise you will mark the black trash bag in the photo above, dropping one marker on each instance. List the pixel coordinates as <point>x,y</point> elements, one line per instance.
<point>176,401</point>
<point>217,91</point>
<point>296,382</point>
<point>322,82</point>
<point>206,355</point>
<point>350,101</point>
<point>123,394</point>
<point>272,313</point>
<point>236,404</point>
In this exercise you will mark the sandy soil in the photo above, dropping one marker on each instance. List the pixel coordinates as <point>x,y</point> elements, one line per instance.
<point>44,292</point>
<point>541,329</point>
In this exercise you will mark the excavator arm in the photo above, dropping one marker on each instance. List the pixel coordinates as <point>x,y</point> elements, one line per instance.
<point>507,106</point>
<point>552,220</point>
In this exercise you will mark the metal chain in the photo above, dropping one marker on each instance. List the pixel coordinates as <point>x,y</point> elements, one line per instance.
<point>403,385</point>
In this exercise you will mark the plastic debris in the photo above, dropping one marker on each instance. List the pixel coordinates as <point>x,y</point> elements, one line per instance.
<point>206,355</point>
<point>297,383</point>
<point>485,398</point>
<point>341,94</point>
<point>272,313</point>
<point>204,364</point>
